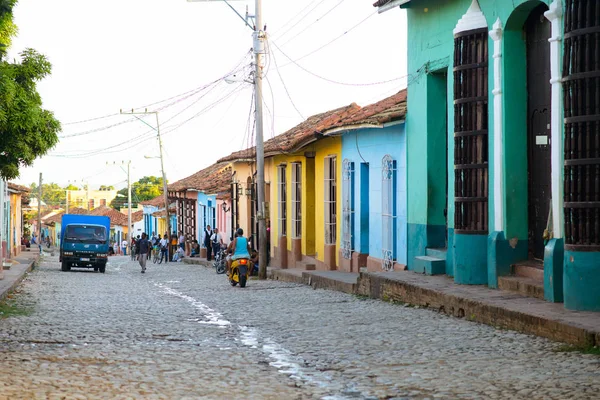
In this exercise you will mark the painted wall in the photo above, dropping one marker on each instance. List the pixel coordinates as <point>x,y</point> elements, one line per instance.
<point>430,52</point>
<point>325,148</point>
<point>369,146</point>
<point>206,213</point>
<point>224,219</point>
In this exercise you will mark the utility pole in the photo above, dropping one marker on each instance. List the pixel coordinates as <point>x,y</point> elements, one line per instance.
<point>129,229</point>
<point>259,45</point>
<point>259,36</point>
<point>67,205</point>
<point>40,213</point>
<point>162,163</point>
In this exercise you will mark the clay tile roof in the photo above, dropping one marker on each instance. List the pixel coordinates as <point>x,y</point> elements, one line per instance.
<point>158,201</point>
<point>73,210</point>
<point>137,216</point>
<point>390,109</point>
<point>18,188</point>
<point>300,135</point>
<point>213,179</point>
<point>54,219</point>
<point>116,218</point>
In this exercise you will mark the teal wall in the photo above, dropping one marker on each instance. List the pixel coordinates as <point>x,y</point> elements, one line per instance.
<point>582,280</point>
<point>430,53</point>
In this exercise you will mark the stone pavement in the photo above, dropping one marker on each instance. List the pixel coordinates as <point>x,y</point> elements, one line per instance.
<point>16,273</point>
<point>180,331</point>
<point>477,303</point>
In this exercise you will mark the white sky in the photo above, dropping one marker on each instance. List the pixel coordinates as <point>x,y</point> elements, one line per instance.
<point>118,54</point>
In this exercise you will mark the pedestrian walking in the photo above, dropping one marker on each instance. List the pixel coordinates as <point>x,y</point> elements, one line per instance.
<point>124,247</point>
<point>207,243</point>
<point>143,248</point>
<point>164,249</point>
<point>216,242</point>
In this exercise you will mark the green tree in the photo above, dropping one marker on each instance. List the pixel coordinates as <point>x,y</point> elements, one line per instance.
<point>146,188</point>
<point>28,131</point>
<point>52,194</point>
<point>104,187</point>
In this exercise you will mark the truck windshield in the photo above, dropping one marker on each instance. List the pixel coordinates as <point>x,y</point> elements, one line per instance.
<point>85,234</point>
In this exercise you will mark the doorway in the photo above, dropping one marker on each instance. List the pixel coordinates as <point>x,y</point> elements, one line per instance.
<point>537,31</point>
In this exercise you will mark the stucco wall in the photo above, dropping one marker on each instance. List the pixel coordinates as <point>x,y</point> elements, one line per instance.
<point>370,146</point>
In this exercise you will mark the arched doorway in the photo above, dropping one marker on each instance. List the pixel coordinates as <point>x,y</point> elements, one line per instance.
<point>537,30</point>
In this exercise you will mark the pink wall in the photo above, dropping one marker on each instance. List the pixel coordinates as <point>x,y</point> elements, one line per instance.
<point>224,219</point>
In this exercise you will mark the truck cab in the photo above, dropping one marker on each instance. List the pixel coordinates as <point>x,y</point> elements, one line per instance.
<point>84,242</point>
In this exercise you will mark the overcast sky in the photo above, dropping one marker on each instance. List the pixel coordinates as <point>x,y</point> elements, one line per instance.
<point>111,55</point>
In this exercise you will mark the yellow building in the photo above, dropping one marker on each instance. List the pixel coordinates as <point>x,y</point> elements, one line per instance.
<point>90,199</point>
<point>303,189</point>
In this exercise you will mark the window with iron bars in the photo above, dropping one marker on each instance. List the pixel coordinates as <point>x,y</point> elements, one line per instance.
<point>297,200</point>
<point>282,199</point>
<point>388,212</point>
<point>347,245</point>
<point>471,132</point>
<point>581,84</point>
<point>330,200</point>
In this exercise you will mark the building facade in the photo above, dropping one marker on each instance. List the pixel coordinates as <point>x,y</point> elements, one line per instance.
<point>500,143</point>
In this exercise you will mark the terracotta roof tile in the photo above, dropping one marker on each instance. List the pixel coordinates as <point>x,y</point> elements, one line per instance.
<point>137,216</point>
<point>300,135</point>
<point>116,218</point>
<point>210,180</point>
<point>72,211</point>
<point>18,188</point>
<point>158,201</point>
<point>390,109</point>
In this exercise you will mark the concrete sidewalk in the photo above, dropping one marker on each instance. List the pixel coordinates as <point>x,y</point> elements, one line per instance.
<point>18,271</point>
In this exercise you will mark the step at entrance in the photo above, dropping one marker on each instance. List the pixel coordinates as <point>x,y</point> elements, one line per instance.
<point>437,253</point>
<point>430,265</point>
<point>529,269</point>
<point>307,263</point>
<point>526,286</point>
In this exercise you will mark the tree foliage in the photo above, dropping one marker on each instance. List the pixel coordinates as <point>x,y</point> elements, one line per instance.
<point>105,187</point>
<point>27,131</point>
<point>52,194</point>
<point>146,188</point>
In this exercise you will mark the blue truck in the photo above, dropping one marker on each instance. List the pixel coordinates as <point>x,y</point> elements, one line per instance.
<point>84,242</point>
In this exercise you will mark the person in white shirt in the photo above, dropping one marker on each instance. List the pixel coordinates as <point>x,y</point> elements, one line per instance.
<point>124,247</point>
<point>216,242</point>
<point>164,248</point>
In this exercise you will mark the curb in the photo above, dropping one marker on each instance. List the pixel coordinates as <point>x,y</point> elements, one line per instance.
<point>19,278</point>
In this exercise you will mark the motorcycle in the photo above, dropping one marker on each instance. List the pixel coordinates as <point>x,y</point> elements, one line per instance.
<point>240,271</point>
<point>220,263</point>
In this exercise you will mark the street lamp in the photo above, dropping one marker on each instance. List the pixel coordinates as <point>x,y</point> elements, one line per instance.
<point>259,36</point>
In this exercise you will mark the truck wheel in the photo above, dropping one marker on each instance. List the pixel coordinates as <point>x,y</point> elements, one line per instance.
<point>64,266</point>
<point>103,268</point>
<point>95,269</point>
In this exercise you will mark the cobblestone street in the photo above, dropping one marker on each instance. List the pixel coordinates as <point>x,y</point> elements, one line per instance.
<point>180,331</point>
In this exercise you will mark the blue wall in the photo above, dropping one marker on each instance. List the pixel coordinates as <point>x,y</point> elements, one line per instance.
<point>370,145</point>
<point>206,212</point>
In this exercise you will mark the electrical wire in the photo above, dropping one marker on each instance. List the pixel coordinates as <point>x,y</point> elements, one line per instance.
<point>331,41</point>
<point>281,78</point>
<point>334,81</point>
<point>273,113</point>
<point>301,19</point>
<point>312,24</point>
<point>294,17</point>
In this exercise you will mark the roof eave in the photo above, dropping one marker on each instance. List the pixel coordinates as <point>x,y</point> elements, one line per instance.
<point>392,4</point>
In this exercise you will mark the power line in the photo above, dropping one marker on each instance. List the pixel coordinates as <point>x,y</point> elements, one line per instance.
<point>334,81</point>
<point>301,19</point>
<point>331,41</point>
<point>313,23</point>
<point>281,78</point>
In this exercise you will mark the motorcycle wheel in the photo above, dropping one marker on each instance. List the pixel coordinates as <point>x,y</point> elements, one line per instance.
<point>220,268</point>
<point>232,282</point>
<point>243,281</point>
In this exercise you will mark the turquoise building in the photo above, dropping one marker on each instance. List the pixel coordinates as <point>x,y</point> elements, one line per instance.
<point>373,186</point>
<point>503,161</point>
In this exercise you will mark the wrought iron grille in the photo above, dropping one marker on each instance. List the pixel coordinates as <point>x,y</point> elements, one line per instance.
<point>297,200</point>
<point>388,211</point>
<point>347,208</point>
<point>471,132</point>
<point>581,84</point>
<point>330,200</point>
<point>282,200</point>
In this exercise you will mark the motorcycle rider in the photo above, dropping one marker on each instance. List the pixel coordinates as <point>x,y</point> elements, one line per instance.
<point>239,247</point>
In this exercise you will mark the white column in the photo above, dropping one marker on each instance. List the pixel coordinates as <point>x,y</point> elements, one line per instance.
<point>555,15</point>
<point>496,35</point>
